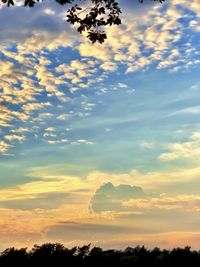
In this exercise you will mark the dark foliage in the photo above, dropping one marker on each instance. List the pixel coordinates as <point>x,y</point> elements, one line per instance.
<point>57,255</point>
<point>92,19</point>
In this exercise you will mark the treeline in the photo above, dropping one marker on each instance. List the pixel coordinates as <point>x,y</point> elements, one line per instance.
<point>57,255</point>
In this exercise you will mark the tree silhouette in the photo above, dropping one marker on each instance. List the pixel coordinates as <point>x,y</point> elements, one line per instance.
<point>11,256</point>
<point>55,254</point>
<point>91,17</point>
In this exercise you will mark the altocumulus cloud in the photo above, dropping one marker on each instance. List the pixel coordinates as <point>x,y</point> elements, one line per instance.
<point>28,72</point>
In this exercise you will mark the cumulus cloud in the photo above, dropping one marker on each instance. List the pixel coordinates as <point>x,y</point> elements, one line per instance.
<point>110,197</point>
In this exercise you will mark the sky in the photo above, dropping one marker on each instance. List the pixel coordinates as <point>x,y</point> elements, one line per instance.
<point>100,143</point>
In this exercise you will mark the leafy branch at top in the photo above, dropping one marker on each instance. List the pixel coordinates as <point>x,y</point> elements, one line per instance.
<point>92,19</point>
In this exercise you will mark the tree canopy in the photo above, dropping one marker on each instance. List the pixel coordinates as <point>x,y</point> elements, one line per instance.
<point>90,16</point>
<point>55,254</point>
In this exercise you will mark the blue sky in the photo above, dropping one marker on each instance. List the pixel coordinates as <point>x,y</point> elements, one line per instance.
<point>76,117</point>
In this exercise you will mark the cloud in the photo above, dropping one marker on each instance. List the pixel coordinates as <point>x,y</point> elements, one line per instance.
<point>49,134</point>
<point>76,71</point>
<point>5,124</point>
<point>48,194</point>
<point>46,201</point>
<point>61,178</point>
<point>195,25</point>
<point>4,147</point>
<point>35,106</point>
<point>83,142</point>
<point>147,145</point>
<point>8,115</point>
<point>178,202</point>
<point>140,44</point>
<point>20,130</point>
<point>110,66</point>
<point>48,80</point>
<point>194,5</point>
<point>188,149</point>
<point>57,141</point>
<point>43,65</point>
<point>109,197</point>
<point>56,203</point>
<point>156,181</point>
<point>41,22</point>
<point>96,51</point>
<point>76,230</point>
<point>50,129</point>
<point>17,86</point>
<point>87,106</point>
<point>191,110</point>
<point>63,117</point>
<point>122,85</point>
<point>15,137</point>
<point>29,72</point>
<point>25,73</point>
<point>133,199</point>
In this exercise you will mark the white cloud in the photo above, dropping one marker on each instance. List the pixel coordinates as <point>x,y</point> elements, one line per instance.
<point>49,134</point>
<point>122,85</point>
<point>83,141</point>
<point>189,149</point>
<point>57,141</point>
